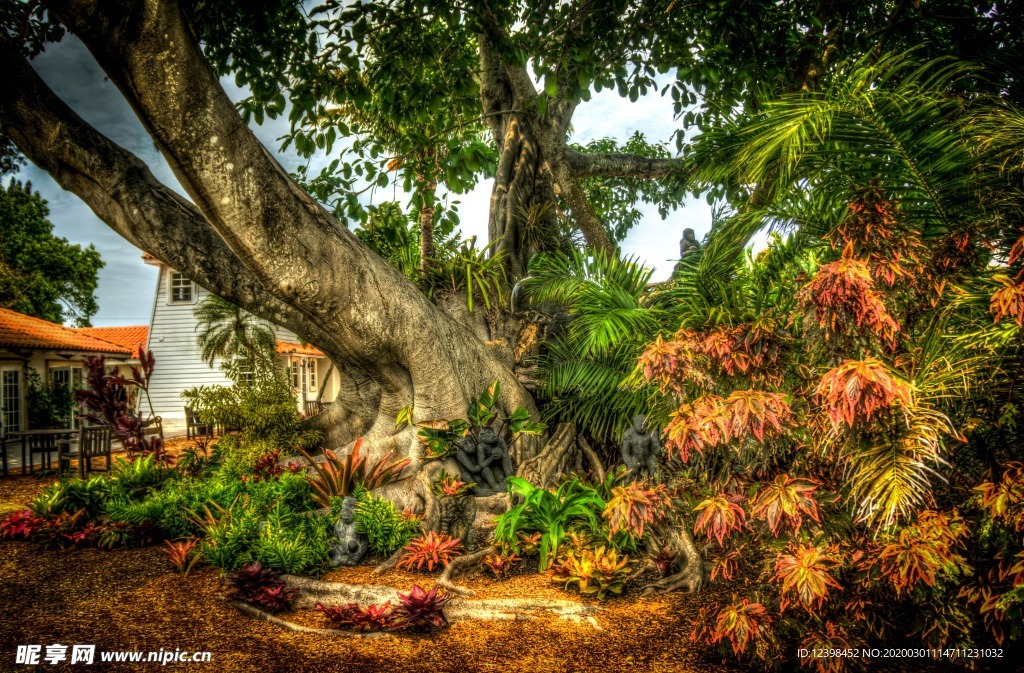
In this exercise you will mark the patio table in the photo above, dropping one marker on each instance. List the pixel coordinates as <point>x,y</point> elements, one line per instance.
<point>57,433</point>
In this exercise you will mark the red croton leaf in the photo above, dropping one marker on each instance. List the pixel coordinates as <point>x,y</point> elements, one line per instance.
<point>804,571</point>
<point>785,502</point>
<point>719,516</point>
<point>857,390</point>
<point>740,624</point>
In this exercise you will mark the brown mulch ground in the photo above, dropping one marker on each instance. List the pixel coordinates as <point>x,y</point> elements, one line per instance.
<point>133,600</point>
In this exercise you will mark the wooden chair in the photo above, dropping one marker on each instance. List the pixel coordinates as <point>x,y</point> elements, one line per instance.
<point>313,408</point>
<point>92,442</point>
<point>40,445</point>
<point>195,427</point>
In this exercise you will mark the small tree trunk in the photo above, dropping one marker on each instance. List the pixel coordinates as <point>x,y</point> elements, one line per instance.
<point>427,211</point>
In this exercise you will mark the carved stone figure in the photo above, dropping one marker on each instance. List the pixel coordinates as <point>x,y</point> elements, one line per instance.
<point>640,449</point>
<point>688,243</point>
<point>352,545</point>
<point>485,462</point>
<point>457,515</point>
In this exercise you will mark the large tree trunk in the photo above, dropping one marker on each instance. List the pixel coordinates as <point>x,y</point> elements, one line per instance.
<point>532,167</point>
<point>253,236</point>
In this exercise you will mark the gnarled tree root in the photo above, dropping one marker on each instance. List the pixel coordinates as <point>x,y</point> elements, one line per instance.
<point>311,592</point>
<point>254,611</point>
<point>693,578</point>
<point>461,566</point>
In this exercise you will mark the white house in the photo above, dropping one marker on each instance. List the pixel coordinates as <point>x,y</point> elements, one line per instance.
<point>179,366</point>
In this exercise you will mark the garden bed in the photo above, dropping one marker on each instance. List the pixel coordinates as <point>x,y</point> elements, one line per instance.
<point>132,598</point>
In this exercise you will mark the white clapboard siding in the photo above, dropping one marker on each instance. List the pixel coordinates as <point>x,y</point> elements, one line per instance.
<point>172,338</point>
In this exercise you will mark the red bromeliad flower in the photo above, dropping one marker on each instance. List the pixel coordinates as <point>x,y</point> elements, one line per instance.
<point>431,549</point>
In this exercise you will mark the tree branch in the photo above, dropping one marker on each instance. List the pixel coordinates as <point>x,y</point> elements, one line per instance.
<point>621,166</point>
<point>123,192</point>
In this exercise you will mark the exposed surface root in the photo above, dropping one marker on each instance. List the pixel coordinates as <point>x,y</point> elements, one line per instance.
<point>693,578</point>
<point>313,591</point>
<point>254,611</point>
<point>461,566</point>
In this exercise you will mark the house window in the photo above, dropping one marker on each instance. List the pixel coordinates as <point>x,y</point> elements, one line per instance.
<point>181,289</point>
<point>312,375</point>
<point>10,399</point>
<point>296,378</point>
<point>68,378</point>
<point>246,377</point>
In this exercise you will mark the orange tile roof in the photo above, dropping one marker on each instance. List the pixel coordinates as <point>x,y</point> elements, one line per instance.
<point>18,330</point>
<point>128,336</point>
<point>288,348</point>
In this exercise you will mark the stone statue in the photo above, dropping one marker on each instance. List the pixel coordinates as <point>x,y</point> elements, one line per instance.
<point>485,462</point>
<point>640,449</point>
<point>688,243</point>
<point>352,545</point>
<point>456,516</point>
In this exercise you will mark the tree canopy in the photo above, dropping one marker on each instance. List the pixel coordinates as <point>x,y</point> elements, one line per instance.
<point>41,274</point>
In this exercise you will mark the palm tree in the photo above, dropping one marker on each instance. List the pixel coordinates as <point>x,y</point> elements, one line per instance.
<point>227,332</point>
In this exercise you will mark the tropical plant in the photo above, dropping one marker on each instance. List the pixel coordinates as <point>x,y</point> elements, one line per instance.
<point>633,506</point>
<point>447,486</point>
<point>227,332</point>
<point>253,583</point>
<point>430,549</point>
<point>107,400</point>
<point>357,618</point>
<point>548,512</point>
<point>501,564</point>
<point>385,527</point>
<point>337,478</point>
<point>785,502</point>
<point>741,623</point>
<point>182,554</point>
<point>805,571</point>
<point>596,571</point>
<point>421,609</point>
<point>585,368</point>
<point>720,516</point>
<point>20,525</point>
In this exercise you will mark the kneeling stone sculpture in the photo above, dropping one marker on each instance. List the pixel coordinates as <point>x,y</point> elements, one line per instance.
<point>352,545</point>
<point>485,462</point>
<point>640,449</point>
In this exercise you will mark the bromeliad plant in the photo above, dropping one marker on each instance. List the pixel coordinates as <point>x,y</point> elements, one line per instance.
<point>431,549</point>
<point>340,477</point>
<point>595,571</point>
<point>447,486</point>
<point>253,583</point>
<point>359,619</point>
<point>182,554</point>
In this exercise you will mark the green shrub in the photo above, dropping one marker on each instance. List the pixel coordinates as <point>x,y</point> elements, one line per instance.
<point>293,543</point>
<point>260,403</point>
<point>382,523</point>
<point>549,513</point>
<point>229,542</point>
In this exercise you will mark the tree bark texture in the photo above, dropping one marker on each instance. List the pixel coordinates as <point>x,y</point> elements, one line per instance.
<point>253,236</point>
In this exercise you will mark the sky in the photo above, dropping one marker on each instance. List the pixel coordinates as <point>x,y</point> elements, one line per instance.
<point>127,285</point>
